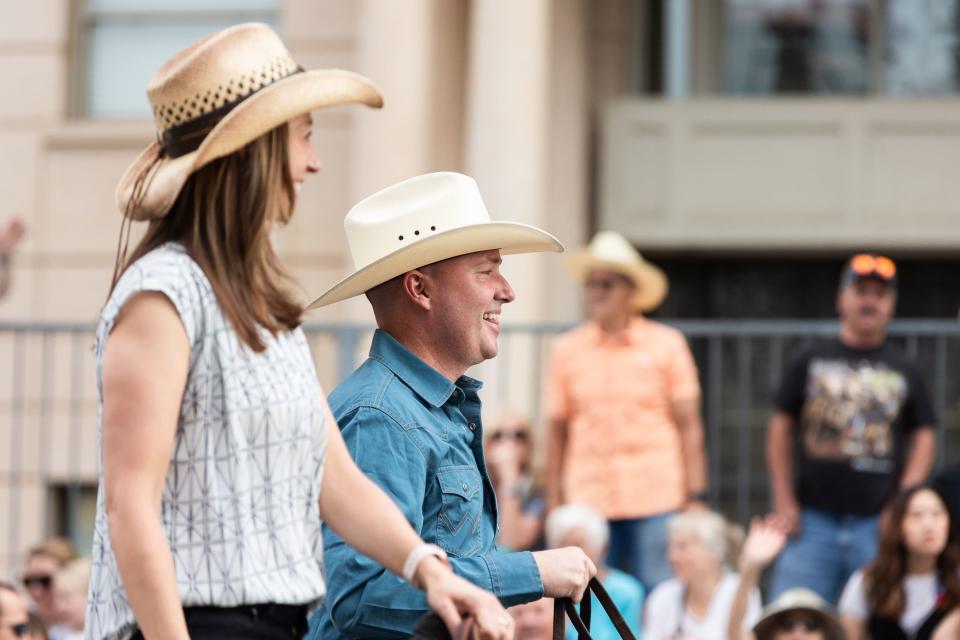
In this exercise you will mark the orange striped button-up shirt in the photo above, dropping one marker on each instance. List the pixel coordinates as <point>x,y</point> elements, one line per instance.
<point>624,455</point>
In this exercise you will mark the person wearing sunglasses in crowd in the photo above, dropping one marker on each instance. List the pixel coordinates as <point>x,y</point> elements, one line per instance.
<point>41,564</point>
<point>623,401</point>
<point>14,619</point>
<point>853,424</point>
<point>520,500</point>
<point>912,588</point>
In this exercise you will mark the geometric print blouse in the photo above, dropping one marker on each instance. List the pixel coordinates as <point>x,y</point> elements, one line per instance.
<point>240,505</point>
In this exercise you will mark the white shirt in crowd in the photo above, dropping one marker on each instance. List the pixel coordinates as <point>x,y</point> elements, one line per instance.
<point>667,617</point>
<point>920,590</point>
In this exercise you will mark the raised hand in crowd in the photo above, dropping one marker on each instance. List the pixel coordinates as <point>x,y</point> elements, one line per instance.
<point>505,459</point>
<point>11,233</point>
<point>764,542</point>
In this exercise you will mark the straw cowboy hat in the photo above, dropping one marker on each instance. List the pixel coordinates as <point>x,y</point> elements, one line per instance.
<point>610,251</point>
<point>217,95</point>
<point>798,600</point>
<point>421,221</point>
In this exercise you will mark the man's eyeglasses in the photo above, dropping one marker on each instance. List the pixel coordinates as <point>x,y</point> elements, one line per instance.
<point>865,264</point>
<point>20,630</point>
<point>519,435</point>
<point>42,581</point>
<point>789,623</point>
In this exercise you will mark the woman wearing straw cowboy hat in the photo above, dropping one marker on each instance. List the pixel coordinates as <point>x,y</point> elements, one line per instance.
<point>219,453</point>
<point>428,259</point>
<point>622,397</point>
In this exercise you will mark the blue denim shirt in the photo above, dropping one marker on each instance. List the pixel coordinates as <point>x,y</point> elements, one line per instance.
<point>419,437</point>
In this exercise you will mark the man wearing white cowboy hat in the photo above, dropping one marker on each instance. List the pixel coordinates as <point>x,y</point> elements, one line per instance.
<point>622,397</point>
<point>428,259</point>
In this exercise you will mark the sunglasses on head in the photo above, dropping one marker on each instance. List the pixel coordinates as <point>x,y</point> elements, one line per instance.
<point>789,623</point>
<point>865,264</point>
<point>518,434</point>
<point>42,581</point>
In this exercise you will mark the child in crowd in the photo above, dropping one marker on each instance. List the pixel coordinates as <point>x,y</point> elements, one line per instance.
<point>697,601</point>
<point>580,526</point>
<point>912,587</point>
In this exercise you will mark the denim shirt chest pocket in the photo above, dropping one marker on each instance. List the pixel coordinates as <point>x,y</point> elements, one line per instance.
<point>458,524</point>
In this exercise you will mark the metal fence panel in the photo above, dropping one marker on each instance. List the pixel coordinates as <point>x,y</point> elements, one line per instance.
<point>48,406</point>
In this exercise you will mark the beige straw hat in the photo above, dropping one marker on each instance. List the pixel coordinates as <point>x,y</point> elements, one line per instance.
<point>610,251</point>
<point>421,221</point>
<point>217,95</point>
<point>798,600</point>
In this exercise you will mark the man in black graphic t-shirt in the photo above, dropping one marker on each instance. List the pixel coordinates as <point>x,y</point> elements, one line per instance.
<point>853,424</point>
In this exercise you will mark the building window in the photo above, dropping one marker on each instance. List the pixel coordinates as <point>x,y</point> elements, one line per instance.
<point>922,53</point>
<point>841,47</point>
<point>797,46</point>
<point>121,43</point>
<point>71,511</point>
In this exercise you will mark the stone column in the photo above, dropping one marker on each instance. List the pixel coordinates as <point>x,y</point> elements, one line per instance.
<point>526,146</point>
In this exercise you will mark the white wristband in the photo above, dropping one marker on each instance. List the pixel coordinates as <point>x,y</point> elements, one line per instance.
<point>417,555</point>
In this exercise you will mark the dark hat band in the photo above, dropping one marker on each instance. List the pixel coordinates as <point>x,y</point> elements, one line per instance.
<point>187,137</point>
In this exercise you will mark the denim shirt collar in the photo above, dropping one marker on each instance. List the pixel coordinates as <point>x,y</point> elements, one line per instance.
<point>424,380</point>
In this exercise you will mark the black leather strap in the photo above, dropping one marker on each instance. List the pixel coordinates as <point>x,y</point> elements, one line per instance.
<point>581,621</point>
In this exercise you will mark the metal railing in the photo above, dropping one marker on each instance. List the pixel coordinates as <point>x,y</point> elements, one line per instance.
<point>48,406</point>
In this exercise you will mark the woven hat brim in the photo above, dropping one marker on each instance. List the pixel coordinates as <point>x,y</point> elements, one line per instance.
<point>509,237</point>
<point>265,110</point>
<point>652,284</point>
<point>767,625</point>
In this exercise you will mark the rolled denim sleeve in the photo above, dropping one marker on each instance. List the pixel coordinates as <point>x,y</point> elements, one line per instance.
<point>363,599</point>
<point>514,577</point>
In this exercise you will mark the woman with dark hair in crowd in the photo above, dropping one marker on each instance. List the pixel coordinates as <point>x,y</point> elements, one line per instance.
<point>912,588</point>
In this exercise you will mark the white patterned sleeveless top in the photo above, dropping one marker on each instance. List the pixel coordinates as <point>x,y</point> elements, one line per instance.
<point>240,504</point>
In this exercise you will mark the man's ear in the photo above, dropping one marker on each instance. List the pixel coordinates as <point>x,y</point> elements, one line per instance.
<point>415,285</point>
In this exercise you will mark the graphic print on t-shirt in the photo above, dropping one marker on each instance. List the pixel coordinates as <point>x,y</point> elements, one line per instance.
<point>850,411</point>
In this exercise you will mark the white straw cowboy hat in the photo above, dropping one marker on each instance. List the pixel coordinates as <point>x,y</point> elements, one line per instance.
<point>421,221</point>
<point>798,600</point>
<point>220,93</point>
<point>610,251</point>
